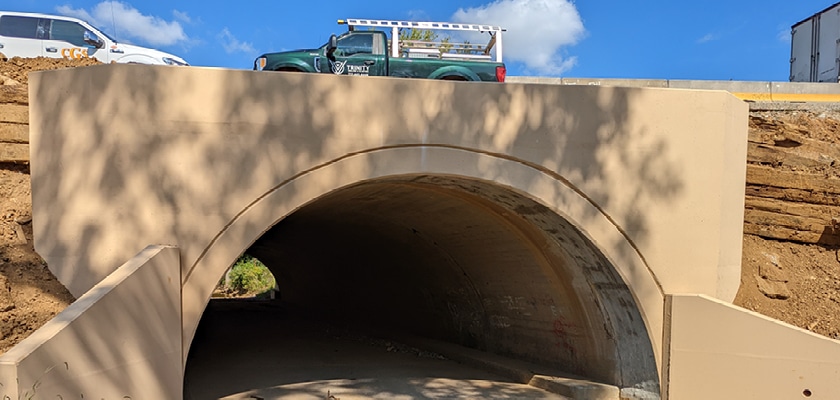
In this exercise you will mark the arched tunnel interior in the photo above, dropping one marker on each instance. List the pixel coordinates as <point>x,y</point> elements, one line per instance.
<point>463,261</point>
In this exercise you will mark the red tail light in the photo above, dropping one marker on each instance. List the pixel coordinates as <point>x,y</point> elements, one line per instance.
<point>501,71</point>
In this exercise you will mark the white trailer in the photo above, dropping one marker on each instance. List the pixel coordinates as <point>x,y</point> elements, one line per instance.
<point>815,47</point>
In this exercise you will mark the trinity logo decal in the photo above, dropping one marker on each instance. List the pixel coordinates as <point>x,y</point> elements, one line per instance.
<point>337,67</point>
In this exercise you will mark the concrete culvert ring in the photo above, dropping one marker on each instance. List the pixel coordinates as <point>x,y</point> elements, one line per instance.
<point>467,262</point>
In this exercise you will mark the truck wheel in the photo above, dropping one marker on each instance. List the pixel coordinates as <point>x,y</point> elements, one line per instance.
<point>288,69</point>
<point>453,78</point>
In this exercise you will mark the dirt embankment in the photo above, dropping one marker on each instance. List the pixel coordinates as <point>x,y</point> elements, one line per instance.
<point>29,293</point>
<point>791,263</point>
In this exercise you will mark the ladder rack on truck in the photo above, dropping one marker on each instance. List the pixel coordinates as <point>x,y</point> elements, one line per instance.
<point>441,49</point>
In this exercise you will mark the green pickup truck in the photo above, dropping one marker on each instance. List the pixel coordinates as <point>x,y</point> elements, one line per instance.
<point>370,52</point>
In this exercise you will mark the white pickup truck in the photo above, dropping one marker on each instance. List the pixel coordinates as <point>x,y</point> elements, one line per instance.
<point>42,35</point>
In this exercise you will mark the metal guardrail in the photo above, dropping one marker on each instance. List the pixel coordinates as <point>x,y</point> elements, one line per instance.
<point>755,91</point>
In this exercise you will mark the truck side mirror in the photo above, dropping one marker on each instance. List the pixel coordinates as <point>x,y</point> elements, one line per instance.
<point>93,40</point>
<point>332,45</point>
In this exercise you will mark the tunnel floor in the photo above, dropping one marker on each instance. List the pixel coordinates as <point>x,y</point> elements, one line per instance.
<point>250,349</point>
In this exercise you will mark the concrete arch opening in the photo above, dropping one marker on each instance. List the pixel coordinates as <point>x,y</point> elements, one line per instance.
<point>464,261</point>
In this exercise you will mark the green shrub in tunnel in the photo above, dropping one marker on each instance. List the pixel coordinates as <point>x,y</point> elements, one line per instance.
<point>249,276</point>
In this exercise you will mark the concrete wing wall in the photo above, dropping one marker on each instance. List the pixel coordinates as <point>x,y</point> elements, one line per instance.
<point>719,351</point>
<point>119,340</point>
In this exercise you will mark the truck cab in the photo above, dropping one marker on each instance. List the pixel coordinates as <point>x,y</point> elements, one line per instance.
<point>42,35</point>
<point>355,53</point>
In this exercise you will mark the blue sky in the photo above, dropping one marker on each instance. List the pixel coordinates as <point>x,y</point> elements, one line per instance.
<point>708,39</point>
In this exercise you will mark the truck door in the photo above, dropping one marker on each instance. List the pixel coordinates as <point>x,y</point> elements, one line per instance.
<point>67,40</point>
<point>21,36</point>
<point>358,53</point>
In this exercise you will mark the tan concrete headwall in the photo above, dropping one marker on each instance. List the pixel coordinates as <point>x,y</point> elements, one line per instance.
<point>111,343</point>
<point>210,159</point>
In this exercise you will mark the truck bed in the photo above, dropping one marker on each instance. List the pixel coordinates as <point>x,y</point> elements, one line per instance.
<point>428,67</point>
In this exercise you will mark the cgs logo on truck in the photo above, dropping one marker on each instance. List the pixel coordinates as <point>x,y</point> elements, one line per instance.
<point>74,53</point>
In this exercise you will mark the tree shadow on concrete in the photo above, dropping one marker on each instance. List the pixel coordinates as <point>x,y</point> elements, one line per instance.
<point>116,169</point>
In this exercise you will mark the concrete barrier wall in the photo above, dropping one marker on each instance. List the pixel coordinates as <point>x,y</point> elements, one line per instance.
<point>720,351</point>
<point>114,342</point>
<point>755,91</point>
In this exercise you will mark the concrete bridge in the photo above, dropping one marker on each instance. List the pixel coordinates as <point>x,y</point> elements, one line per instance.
<point>592,229</point>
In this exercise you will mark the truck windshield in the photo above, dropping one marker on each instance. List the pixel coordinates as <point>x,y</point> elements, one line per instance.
<point>95,29</point>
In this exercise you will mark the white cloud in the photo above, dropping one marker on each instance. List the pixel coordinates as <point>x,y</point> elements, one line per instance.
<point>784,35</point>
<point>183,16</point>
<point>708,38</point>
<point>232,45</point>
<point>537,30</point>
<point>130,23</point>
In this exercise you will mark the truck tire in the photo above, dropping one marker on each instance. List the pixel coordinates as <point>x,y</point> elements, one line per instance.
<point>453,78</point>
